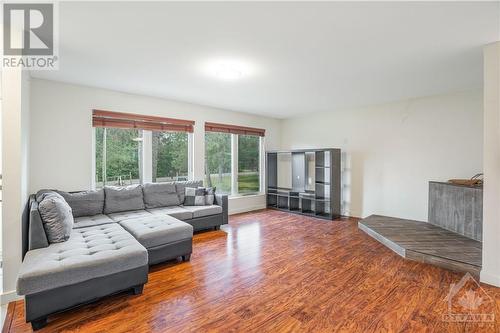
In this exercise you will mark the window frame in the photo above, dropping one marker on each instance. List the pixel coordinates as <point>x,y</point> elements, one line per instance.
<point>235,170</point>
<point>145,157</point>
<point>234,166</point>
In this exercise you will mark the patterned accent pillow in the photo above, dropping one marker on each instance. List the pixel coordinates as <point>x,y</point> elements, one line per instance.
<point>194,196</point>
<point>209,195</point>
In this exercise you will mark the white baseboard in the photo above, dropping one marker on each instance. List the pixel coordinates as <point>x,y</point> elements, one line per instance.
<point>490,279</point>
<point>9,296</point>
<point>246,209</point>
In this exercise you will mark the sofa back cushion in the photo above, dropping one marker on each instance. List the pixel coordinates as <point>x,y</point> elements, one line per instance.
<point>180,187</point>
<point>160,195</point>
<point>56,216</point>
<point>85,203</point>
<point>121,199</point>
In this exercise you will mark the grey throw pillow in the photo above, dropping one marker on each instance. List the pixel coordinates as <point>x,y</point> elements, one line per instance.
<point>57,217</point>
<point>85,203</point>
<point>42,193</point>
<point>194,196</point>
<point>121,199</point>
<point>160,195</point>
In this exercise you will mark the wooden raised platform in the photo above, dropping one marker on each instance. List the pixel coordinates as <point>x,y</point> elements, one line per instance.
<point>425,242</point>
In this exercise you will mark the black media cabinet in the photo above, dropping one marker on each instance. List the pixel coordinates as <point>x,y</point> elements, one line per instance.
<point>304,181</point>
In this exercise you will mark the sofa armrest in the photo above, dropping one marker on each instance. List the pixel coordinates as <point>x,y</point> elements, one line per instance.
<point>36,233</point>
<point>221,200</point>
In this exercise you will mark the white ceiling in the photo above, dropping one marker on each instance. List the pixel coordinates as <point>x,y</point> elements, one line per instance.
<point>305,57</point>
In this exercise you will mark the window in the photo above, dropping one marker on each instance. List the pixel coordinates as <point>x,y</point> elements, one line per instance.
<point>248,164</point>
<point>118,156</point>
<point>131,149</point>
<point>170,156</point>
<point>218,161</point>
<point>233,158</point>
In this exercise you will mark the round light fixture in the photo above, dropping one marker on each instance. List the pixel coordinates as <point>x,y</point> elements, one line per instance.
<point>228,72</point>
<point>227,69</point>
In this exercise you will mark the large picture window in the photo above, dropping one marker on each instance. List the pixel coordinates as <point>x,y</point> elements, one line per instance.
<point>218,161</point>
<point>233,158</point>
<point>118,156</point>
<point>170,156</point>
<point>131,148</point>
<point>248,164</point>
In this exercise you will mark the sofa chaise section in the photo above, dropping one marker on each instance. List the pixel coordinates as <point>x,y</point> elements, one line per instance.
<point>165,237</point>
<point>94,262</point>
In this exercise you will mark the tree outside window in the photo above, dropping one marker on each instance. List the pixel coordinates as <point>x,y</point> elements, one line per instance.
<point>169,156</point>
<point>248,164</point>
<point>118,156</point>
<point>218,161</point>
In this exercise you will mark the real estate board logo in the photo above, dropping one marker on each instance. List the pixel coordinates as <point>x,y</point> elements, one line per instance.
<point>468,302</point>
<point>29,36</point>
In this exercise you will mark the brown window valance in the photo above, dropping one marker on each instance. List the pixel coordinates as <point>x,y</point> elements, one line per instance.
<point>101,118</point>
<point>233,129</point>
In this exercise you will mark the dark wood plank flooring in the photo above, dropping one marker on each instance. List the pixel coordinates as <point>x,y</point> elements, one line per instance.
<point>272,271</point>
<point>425,242</point>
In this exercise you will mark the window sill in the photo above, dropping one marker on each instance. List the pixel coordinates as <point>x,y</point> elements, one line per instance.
<point>240,196</point>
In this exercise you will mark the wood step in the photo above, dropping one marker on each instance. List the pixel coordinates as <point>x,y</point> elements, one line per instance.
<point>424,242</point>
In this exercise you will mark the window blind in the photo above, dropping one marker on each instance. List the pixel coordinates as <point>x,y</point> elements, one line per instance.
<point>101,118</point>
<point>233,129</point>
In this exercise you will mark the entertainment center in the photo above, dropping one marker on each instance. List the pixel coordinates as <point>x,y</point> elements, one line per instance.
<point>305,181</point>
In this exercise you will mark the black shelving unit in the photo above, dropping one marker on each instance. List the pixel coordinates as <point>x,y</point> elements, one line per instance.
<point>307,182</point>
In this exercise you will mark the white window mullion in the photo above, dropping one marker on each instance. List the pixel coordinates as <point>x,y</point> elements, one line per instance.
<point>262,165</point>
<point>191,156</point>
<point>104,162</point>
<point>147,157</point>
<point>234,164</point>
<point>93,181</point>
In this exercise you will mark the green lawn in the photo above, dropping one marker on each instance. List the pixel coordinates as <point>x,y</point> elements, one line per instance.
<point>248,183</point>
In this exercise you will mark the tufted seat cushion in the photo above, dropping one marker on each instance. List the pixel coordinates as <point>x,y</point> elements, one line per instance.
<point>158,230</point>
<point>89,253</point>
<point>175,211</point>
<point>89,221</point>
<point>200,211</point>
<point>133,214</point>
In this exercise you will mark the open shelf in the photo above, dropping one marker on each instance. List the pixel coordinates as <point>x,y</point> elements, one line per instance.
<point>305,182</point>
<point>323,208</point>
<point>283,202</point>
<point>295,204</point>
<point>272,200</point>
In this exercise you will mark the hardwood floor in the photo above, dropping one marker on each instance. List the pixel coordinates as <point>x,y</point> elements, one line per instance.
<point>271,271</point>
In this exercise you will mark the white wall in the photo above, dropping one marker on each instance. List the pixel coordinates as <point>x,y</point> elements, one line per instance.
<point>61,132</point>
<point>391,151</point>
<point>490,272</point>
<point>15,158</point>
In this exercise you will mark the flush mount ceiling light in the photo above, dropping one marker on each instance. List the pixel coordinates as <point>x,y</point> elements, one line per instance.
<point>228,69</point>
<point>228,72</point>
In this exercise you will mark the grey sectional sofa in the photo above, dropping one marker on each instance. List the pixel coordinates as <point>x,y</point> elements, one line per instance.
<point>117,234</point>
